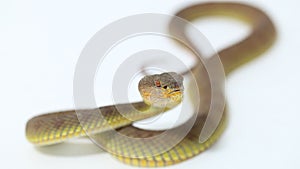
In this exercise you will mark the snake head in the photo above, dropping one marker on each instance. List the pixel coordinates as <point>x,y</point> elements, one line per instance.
<point>162,90</point>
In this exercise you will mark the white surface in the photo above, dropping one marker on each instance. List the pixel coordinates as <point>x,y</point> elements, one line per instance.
<point>41,41</point>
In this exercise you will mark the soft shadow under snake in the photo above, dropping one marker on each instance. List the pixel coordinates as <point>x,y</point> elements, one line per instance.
<point>71,149</point>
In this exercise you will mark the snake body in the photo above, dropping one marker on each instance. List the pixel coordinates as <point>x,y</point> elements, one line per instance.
<point>53,128</point>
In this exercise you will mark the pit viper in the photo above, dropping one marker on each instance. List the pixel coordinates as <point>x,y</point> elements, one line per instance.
<point>160,93</point>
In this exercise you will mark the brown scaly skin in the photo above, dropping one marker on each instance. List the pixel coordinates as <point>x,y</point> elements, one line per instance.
<point>54,128</point>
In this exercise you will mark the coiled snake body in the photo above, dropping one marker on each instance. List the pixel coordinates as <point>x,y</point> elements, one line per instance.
<point>53,128</point>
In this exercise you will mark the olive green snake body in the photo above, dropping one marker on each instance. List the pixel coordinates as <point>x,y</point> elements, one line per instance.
<point>57,127</point>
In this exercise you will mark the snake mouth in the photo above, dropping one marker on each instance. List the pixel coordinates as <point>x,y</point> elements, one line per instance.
<point>174,91</point>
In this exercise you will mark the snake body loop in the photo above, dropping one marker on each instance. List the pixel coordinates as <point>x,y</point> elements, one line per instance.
<point>57,127</point>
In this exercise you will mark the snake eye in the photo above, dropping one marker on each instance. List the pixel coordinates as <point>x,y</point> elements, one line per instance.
<point>165,87</point>
<point>157,84</point>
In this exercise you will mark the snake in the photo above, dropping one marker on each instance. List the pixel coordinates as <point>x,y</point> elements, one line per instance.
<point>160,93</point>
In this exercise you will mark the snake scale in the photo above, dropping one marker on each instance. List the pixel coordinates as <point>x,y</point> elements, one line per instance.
<point>57,127</point>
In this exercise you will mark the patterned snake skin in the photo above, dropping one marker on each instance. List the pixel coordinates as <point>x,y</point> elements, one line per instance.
<point>56,127</point>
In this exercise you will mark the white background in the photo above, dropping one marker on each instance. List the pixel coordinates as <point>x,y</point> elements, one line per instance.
<point>40,43</point>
